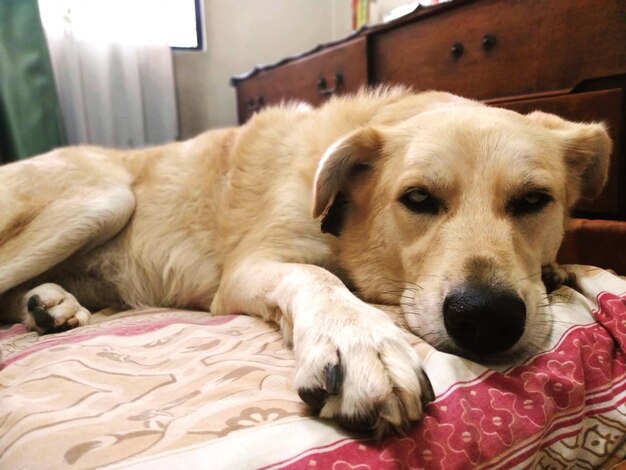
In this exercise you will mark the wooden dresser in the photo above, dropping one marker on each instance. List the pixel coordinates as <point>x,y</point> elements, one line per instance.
<point>567,57</point>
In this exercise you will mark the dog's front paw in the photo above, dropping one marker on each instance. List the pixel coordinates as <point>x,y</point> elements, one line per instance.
<point>361,372</point>
<point>553,277</point>
<point>48,308</point>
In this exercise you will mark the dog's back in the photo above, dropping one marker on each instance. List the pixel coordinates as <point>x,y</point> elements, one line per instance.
<point>196,206</point>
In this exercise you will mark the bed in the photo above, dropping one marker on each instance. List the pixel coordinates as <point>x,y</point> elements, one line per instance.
<point>163,388</point>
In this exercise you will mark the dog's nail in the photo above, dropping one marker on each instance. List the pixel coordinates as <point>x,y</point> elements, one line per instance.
<point>314,397</point>
<point>334,378</point>
<point>391,410</point>
<point>428,394</point>
<point>412,404</point>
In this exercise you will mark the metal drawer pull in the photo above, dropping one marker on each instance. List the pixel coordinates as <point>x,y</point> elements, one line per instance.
<point>457,50</point>
<point>255,104</point>
<point>489,41</point>
<point>322,86</point>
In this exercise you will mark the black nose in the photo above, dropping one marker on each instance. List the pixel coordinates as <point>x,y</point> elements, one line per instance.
<point>484,320</point>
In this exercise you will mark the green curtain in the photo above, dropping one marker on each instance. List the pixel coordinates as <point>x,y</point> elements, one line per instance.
<point>30,117</point>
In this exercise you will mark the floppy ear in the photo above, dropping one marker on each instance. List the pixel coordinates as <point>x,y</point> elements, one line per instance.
<point>587,151</point>
<point>342,159</point>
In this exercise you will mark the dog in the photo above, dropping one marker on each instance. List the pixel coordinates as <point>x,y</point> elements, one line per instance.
<point>318,220</point>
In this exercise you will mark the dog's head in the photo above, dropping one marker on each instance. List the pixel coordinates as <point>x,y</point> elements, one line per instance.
<point>453,212</point>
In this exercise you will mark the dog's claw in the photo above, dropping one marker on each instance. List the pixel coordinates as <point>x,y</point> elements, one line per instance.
<point>334,378</point>
<point>428,394</point>
<point>391,411</point>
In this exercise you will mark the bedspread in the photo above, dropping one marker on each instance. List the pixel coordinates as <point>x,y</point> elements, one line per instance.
<point>165,388</point>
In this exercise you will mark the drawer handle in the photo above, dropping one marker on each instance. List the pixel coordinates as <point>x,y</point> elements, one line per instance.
<point>256,104</point>
<point>488,42</point>
<point>457,50</point>
<point>324,90</point>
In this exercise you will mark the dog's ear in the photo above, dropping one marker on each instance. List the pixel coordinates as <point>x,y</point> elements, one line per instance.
<point>341,161</point>
<point>587,152</point>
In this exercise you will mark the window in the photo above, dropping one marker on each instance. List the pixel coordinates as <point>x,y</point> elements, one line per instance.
<point>177,23</point>
<point>184,24</point>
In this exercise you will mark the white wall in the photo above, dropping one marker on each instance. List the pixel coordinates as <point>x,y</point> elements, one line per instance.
<point>240,34</point>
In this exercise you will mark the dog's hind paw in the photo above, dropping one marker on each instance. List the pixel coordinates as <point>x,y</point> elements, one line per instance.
<point>48,308</point>
<point>366,377</point>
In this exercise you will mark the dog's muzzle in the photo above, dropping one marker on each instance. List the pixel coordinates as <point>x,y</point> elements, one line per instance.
<point>484,320</point>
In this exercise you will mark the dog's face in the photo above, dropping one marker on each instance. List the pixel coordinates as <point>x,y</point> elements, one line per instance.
<point>453,213</point>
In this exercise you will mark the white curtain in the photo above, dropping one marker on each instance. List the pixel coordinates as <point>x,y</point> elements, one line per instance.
<point>113,70</point>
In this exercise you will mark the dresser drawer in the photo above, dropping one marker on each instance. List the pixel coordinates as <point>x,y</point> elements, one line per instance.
<point>335,70</point>
<point>489,49</point>
<point>605,106</point>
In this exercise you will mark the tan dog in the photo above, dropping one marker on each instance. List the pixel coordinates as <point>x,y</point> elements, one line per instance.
<point>442,205</point>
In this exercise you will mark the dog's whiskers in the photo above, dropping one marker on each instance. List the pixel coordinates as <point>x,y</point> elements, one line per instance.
<point>401,281</point>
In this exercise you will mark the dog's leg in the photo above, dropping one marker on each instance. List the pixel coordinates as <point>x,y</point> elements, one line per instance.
<point>31,245</point>
<point>59,230</point>
<point>353,364</point>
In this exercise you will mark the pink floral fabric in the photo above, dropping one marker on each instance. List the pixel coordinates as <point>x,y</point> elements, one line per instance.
<point>170,389</point>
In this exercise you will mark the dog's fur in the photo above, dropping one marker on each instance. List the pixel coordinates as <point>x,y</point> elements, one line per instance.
<point>434,203</point>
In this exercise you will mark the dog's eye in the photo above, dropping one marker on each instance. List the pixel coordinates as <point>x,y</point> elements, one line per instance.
<point>420,202</point>
<point>530,203</point>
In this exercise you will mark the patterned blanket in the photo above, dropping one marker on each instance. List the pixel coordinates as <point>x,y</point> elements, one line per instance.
<point>170,388</point>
